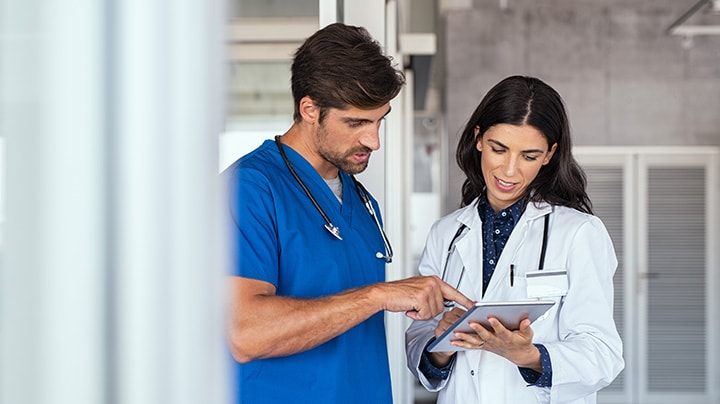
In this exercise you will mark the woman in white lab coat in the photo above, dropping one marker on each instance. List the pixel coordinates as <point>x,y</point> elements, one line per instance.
<point>525,232</point>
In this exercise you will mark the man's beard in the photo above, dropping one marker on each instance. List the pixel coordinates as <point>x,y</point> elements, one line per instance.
<point>343,161</point>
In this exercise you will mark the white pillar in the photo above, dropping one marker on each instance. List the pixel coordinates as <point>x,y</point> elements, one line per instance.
<point>53,274</point>
<point>168,274</point>
<point>111,270</point>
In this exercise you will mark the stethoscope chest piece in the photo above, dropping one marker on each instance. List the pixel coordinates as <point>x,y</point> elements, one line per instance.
<point>334,230</point>
<point>329,226</point>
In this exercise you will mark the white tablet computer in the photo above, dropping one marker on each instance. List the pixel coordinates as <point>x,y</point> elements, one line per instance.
<point>510,315</point>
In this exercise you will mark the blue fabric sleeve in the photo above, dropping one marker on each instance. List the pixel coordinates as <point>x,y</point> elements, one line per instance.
<point>253,226</point>
<point>534,378</point>
<point>431,371</point>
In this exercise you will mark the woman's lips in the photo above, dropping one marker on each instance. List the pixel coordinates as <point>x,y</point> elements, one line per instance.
<point>504,185</point>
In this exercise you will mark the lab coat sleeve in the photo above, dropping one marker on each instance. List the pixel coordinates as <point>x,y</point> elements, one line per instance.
<point>416,338</point>
<point>419,333</point>
<point>588,355</point>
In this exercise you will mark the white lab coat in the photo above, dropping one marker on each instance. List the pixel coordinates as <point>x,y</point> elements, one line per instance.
<point>579,332</point>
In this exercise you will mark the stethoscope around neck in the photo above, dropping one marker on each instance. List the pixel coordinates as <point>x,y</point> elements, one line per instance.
<point>329,226</point>
<point>461,230</point>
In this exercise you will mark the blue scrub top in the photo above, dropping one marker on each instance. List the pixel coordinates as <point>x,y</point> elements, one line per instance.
<point>279,237</point>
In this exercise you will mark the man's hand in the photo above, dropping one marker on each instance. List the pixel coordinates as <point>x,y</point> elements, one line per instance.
<point>420,297</point>
<point>307,323</point>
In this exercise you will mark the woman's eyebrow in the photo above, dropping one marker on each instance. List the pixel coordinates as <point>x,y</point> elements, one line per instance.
<point>497,143</point>
<point>505,147</point>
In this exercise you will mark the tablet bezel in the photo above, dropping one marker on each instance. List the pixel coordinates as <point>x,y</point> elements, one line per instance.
<point>510,315</point>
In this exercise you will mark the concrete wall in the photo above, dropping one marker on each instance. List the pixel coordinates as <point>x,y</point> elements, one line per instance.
<point>624,80</point>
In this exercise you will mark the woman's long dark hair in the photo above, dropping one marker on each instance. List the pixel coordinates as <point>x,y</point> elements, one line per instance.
<point>520,100</point>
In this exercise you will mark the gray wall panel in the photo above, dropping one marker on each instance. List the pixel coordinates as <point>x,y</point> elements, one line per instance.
<point>625,81</point>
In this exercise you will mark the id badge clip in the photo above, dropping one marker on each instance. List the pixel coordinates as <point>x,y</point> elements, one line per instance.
<point>547,283</point>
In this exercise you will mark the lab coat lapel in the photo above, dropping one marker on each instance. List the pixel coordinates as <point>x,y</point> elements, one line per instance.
<point>469,249</point>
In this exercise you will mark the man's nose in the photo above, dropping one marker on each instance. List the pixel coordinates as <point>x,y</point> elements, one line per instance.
<point>371,138</point>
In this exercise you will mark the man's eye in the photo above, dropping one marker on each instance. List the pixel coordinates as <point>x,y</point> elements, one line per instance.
<point>354,124</point>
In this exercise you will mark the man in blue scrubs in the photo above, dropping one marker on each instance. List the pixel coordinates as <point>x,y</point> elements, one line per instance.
<point>306,313</point>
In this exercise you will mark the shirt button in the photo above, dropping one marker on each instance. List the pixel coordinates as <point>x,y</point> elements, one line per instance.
<point>472,373</point>
<point>492,262</point>
<point>497,231</point>
<point>504,213</point>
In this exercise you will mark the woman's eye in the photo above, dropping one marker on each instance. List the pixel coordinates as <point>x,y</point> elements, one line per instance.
<point>531,158</point>
<point>498,151</point>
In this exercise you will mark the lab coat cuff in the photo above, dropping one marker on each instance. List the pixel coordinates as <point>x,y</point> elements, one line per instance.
<point>534,378</point>
<point>431,371</point>
<point>430,376</point>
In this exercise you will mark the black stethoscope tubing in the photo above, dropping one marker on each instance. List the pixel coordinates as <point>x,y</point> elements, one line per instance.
<point>329,226</point>
<point>334,230</point>
<point>449,253</point>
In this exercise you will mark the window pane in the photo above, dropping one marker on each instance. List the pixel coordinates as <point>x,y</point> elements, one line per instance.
<point>260,89</point>
<point>273,8</point>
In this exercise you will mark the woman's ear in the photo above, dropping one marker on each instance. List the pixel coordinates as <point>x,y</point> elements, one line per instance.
<point>478,139</point>
<point>549,154</point>
<point>309,111</point>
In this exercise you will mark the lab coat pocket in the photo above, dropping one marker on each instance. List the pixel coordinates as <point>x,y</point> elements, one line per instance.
<point>546,283</point>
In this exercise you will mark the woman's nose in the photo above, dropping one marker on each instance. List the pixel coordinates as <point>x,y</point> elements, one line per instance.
<point>511,166</point>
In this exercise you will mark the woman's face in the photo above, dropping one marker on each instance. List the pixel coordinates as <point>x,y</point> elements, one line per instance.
<point>512,156</point>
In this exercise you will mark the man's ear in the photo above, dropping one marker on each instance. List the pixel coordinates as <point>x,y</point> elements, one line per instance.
<point>309,110</point>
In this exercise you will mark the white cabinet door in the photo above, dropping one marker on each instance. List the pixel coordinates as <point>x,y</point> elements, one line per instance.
<point>660,207</point>
<point>675,267</point>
